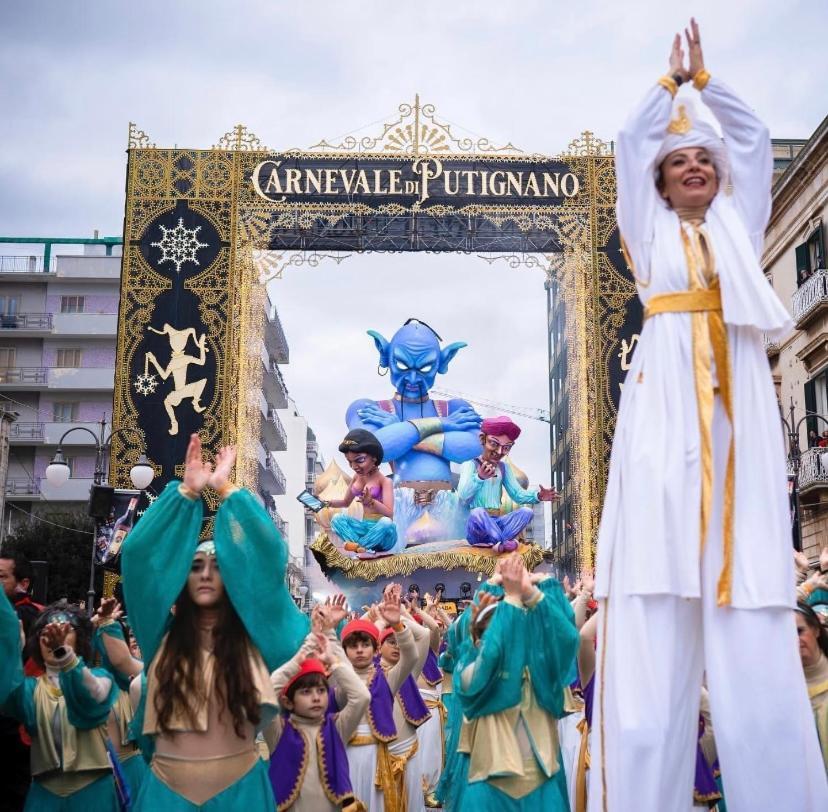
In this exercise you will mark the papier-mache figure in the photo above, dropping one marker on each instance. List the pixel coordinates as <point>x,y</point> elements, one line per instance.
<point>482,481</point>
<point>420,437</point>
<point>375,532</point>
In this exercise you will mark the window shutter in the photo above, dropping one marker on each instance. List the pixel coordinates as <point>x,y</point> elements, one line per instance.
<point>811,406</point>
<point>819,241</point>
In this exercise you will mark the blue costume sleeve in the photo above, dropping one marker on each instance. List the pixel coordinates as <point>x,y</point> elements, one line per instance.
<point>470,483</point>
<point>253,557</point>
<point>156,559</point>
<point>459,446</point>
<point>11,668</point>
<point>552,647</point>
<point>518,494</point>
<point>498,665</point>
<point>82,710</point>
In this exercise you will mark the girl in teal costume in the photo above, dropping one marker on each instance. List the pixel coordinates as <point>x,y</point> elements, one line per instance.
<point>511,689</point>
<point>64,711</point>
<point>111,648</point>
<point>458,642</point>
<point>212,621</point>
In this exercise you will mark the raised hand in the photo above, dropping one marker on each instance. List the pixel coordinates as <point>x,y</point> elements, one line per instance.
<point>588,581</point>
<point>320,618</point>
<point>694,48</point>
<point>337,609</point>
<point>485,599</point>
<point>389,609</point>
<point>225,460</point>
<point>801,561</point>
<point>462,419</point>
<point>567,585</point>
<point>109,609</point>
<point>197,470</point>
<point>513,572</point>
<point>677,60</point>
<point>55,634</point>
<point>324,651</point>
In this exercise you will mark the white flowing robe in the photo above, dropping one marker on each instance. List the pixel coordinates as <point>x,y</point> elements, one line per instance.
<point>651,522</point>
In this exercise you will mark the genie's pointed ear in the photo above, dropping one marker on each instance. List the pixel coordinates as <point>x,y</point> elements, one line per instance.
<point>447,353</point>
<point>382,347</point>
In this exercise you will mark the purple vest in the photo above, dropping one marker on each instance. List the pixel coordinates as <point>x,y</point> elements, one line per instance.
<point>381,707</point>
<point>411,702</point>
<point>431,671</point>
<point>287,764</point>
<point>705,788</point>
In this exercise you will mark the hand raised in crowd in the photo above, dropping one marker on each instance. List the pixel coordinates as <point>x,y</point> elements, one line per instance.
<point>567,586</point>
<point>694,48</point>
<point>677,60</point>
<point>337,609</point>
<point>513,572</point>
<point>320,619</point>
<point>484,599</point>
<point>197,470</point>
<point>54,634</point>
<point>325,651</point>
<point>823,560</point>
<point>225,460</point>
<point>588,581</point>
<point>801,561</point>
<point>108,609</point>
<point>372,613</point>
<point>389,609</point>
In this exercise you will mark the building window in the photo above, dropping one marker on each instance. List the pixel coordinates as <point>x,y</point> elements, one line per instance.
<point>8,357</point>
<point>71,462</point>
<point>69,357</point>
<point>9,305</point>
<point>71,304</point>
<point>64,412</point>
<point>810,255</point>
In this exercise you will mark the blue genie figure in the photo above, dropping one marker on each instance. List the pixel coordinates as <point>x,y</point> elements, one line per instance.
<point>421,437</point>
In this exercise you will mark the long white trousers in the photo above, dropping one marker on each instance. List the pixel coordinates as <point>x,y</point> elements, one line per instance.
<point>653,652</point>
<point>430,736</point>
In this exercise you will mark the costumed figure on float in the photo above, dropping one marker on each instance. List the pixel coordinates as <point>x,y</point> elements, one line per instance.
<point>482,482</point>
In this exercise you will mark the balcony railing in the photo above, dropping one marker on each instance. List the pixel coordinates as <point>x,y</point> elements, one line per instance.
<point>23,487</point>
<point>312,447</point>
<point>28,264</point>
<point>273,418</point>
<point>813,469</point>
<point>810,295</point>
<point>26,431</point>
<point>26,321</point>
<point>274,469</point>
<point>23,375</point>
<point>275,339</point>
<point>280,523</point>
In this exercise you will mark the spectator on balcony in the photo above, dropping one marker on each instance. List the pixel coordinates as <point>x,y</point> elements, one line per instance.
<point>823,440</point>
<point>813,439</point>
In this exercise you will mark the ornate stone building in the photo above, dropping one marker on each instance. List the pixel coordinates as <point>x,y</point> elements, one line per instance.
<point>794,261</point>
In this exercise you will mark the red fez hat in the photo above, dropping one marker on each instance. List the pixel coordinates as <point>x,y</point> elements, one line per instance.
<point>360,625</point>
<point>386,633</point>
<point>501,425</point>
<point>418,617</point>
<point>309,666</point>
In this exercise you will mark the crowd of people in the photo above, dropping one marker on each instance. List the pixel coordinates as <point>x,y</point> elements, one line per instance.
<point>197,700</point>
<point>668,680</point>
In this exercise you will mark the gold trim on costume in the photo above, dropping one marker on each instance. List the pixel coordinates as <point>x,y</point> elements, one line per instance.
<point>701,79</point>
<point>669,84</point>
<point>710,340</point>
<point>300,776</point>
<point>681,124</point>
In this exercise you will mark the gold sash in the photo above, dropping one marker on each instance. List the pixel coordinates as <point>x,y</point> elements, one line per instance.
<point>583,766</point>
<point>709,333</point>
<point>437,704</point>
<point>390,776</point>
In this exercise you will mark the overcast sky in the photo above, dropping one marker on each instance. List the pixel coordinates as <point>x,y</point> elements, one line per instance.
<point>534,72</point>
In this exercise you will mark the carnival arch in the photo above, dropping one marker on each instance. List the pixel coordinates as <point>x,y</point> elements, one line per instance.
<point>206,229</point>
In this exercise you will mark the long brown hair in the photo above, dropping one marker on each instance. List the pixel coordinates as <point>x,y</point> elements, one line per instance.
<point>180,662</point>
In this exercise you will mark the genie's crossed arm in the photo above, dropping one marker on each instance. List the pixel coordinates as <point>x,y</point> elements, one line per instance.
<point>455,438</point>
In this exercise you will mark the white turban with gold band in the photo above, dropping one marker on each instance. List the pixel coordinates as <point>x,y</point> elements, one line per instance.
<point>688,129</point>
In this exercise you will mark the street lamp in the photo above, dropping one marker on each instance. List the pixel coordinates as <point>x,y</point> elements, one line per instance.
<point>792,427</point>
<point>303,591</point>
<point>57,474</point>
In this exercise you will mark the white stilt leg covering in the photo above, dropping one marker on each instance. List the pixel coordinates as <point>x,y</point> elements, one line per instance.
<point>413,774</point>
<point>362,763</point>
<point>653,651</point>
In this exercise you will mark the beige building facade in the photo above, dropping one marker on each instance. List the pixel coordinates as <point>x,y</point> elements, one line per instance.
<point>795,264</point>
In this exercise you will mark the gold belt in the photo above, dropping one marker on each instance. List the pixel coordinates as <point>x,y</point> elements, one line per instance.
<point>709,333</point>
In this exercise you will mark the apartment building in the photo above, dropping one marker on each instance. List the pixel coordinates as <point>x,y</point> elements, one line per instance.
<point>794,261</point>
<point>58,325</point>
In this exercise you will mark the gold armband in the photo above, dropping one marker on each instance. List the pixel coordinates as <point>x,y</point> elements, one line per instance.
<point>701,79</point>
<point>426,426</point>
<point>669,84</point>
<point>188,493</point>
<point>227,490</point>
<point>432,445</point>
<point>399,627</point>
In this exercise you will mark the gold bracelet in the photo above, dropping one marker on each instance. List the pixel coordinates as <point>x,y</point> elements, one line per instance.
<point>669,84</point>
<point>188,493</point>
<point>226,490</point>
<point>701,79</point>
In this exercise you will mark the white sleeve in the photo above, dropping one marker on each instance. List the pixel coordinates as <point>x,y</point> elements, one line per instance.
<point>750,155</point>
<point>636,148</point>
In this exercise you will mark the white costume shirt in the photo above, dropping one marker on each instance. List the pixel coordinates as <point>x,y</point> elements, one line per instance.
<point>651,526</point>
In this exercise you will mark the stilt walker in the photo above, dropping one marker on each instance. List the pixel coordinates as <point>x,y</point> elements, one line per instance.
<point>694,560</point>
